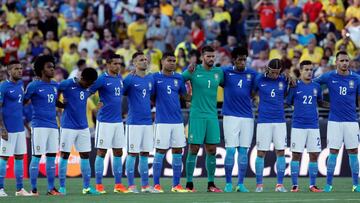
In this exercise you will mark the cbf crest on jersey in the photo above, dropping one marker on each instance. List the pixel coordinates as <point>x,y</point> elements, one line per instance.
<point>315,92</point>
<point>150,85</point>
<point>351,84</point>
<point>281,86</point>
<point>248,77</point>
<point>176,82</point>
<point>121,84</point>
<point>55,90</point>
<point>216,76</point>
<point>22,88</point>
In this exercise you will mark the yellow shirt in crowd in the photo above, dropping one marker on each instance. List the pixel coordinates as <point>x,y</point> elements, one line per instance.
<point>337,10</point>
<point>66,41</point>
<point>300,30</point>
<point>69,61</point>
<point>137,32</point>
<point>155,58</point>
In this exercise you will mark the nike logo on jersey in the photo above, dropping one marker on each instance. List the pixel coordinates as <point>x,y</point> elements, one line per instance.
<point>160,81</point>
<point>334,81</point>
<point>11,91</point>
<point>137,85</point>
<point>263,85</point>
<point>199,76</point>
<point>298,92</point>
<point>73,88</point>
<point>108,84</point>
<point>231,73</point>
<point>41,90</point>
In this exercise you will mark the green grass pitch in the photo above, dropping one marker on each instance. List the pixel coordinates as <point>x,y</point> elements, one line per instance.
<point>342,193</point>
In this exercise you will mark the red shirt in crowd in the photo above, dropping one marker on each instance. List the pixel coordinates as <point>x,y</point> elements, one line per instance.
<point>313,10</point>
<point>13,43</point>
<point>267,16</point>
<point>198,37</point>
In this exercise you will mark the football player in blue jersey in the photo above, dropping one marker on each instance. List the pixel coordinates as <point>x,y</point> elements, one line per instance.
<point>238,122</point>
<point>344,90</point>
<point>139,129</point>
<point>74,127</point>
<point>45,132</point>
<point>109,126</point>
<point>13,139</point>
<point>169,125</point>
<point>305,97</point>
<point>271,128</point>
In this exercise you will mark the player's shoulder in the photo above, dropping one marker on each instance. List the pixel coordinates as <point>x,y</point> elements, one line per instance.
<point>226,69</point>
<point>250,70</point>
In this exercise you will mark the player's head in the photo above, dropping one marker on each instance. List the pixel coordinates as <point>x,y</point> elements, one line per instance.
<point>239,55</point>
<point>44,66</point>
<point>15,70</point>
<point>140,61</point>
<point>113,63</point>
<point>342,61</point>
<point>168,62</point>
<point>208,56</point>
<point>273,69</point>
<point>306,70</point>
<point>88,77</point>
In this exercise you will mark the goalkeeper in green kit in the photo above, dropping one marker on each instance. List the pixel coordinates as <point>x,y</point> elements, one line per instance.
<point>203,124</point>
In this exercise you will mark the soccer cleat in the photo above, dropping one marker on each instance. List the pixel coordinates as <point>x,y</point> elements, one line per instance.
<point>228,187</point>
<point>54,192</point>
<point>295,188</point>
<point>133,189</point>
<point>90,191</point>
<point>214,189</point>
<point>178,188</point>
<point>259,188</point>
<point>313,188</point>
<point>3,193</point>
<point>328,188</point>
<point>280,188</point>
<point>158,188</point>
<point>148,189</point>
<point>241,188</point>
<point>62,190</point>
<point>100,188</point>
<point>22,192</point>
<point>34,192</point>
<point>356,188</point>
<point>120,188</point>
<point>190,187</point>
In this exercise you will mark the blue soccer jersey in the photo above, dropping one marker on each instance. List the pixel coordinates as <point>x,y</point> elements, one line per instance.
<point>272,95</point>
<point>237,92</point>
<point>11,97</point>
<point>75,98</point>
<point>43,96</point>
<point>167,90</point>
<point>139,90</point>
<point>305,97</point>
<point>343,92</point>
<point>110,90</point>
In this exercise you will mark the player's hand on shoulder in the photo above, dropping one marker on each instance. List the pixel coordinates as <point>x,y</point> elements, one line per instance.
<point>290,79</point>
<point>191,68</point>
<point>100,105</point>
<point>4,134</point>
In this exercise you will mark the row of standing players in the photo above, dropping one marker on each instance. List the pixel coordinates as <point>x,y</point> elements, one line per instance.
<point>166,87</point>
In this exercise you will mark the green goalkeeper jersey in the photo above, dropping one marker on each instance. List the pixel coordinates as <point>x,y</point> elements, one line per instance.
<point>204,84</point>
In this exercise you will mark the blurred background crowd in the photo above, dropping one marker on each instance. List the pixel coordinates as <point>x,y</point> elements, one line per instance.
<point>83,33</point>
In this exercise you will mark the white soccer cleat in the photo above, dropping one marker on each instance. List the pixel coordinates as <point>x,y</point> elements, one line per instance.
<point>22,192</point>
<point>3,193</point>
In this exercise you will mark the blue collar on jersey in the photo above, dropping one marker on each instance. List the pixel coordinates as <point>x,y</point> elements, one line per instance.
<point>13,81</point>
<point>173,73</point>
<point>235,69</point>
<point>350,72</point>
<point>107,74</point>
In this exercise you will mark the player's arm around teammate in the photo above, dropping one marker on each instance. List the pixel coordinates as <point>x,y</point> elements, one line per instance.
<point>74,128</point>
<point>13,139</point>
<point>203,124</point>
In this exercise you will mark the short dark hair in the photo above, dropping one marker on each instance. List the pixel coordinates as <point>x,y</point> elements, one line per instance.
<point>73,46</point>
<point>167,54</point>
<point>275,64</point>
<point>207,49</point>
<point>40,62</point>
<point>89,74</point>
<point>305,63</point>
<point>341,53</point>
<point>239,51</point>
<point>136,54</point>
<point>112,56</point>
<point>12,62</point>
<point>81,62</point>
